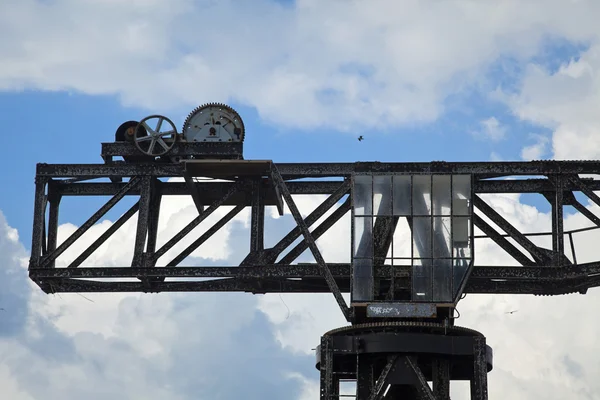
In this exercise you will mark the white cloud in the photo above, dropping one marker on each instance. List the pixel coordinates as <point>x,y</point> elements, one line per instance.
<point>130,339</point>
<point>10,387</point>
<point>544,350</point>
<point>564,101</point>
<point>491,129</point>
<point>176,346</point>
<point>537,150</point>
<point>310,64</point>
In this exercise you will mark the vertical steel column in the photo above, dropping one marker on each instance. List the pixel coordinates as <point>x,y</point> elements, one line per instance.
<point>336,387</point>
<point>365,377</point>
<point>326,370</point>
<point>479,381</point>
<point>257,233</point>
<point>441,379</point>
<point>142,222</point>
<point>39,217</point>
<point>154,214</point>
<point>54,201</point>
<point>558,243</point>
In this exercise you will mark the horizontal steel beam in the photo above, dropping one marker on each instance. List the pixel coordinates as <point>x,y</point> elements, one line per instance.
<point>217,189</point>
<point>214,149</point>
<point>534,185</point>
<point>500,168</point>
<point>338,270</point>
<point>218,285</point>
<point>307,278</point>
<point>208,189</point>
<point>305,285</point>
<point>306,170</point>
<point>263,271</point>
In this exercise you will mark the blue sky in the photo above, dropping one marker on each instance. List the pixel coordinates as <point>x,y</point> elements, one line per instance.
<point>68,127</point>
<point>421,81</point>
<point>61,127</point>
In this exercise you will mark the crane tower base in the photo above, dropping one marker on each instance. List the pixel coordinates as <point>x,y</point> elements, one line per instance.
<point>397,360</point>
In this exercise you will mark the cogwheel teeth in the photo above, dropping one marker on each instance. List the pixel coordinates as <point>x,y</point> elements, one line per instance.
<point>228,111</point>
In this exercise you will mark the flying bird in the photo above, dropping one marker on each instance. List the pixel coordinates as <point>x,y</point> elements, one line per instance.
<point>511,312</point>
<point>360,138</point>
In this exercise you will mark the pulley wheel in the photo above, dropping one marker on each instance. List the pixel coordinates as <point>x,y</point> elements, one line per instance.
<point>125,132</point>
<point>161,135</point>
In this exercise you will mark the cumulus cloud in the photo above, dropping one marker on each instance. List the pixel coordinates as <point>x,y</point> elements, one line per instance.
<point>534,354</point>
<point>308,64</point>
<point>297,324</point>
<point>146,345</point>
<point>491,129</point>
<point>178,346</point>
<point>564,101</point>
<point>118,340</point>
<point>543,350</point>
<point>14,289</point>
<point>536,150</point>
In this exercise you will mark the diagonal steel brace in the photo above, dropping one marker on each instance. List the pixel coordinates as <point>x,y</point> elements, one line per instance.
<point>501,241</point>
<point>584,210</point>
<point>382,381</point>
<point>317,213</point>
<point>91,221</point>
<point>579,185</point>
<point>108,233</point>
<point>317,232</point>
<point>206,235</point>
<point>422,387</point>
<point>269,256</point>
<point>196,221</point>
<point>538,255</point>
<point>279,182</point>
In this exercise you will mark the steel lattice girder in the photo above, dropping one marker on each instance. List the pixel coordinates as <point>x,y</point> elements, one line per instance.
<point>307,170</point>
<point>545,271</point>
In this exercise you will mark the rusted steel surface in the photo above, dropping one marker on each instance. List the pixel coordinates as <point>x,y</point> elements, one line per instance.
<point>545,272</point>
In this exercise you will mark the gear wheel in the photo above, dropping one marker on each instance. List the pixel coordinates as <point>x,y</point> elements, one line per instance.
<point>209,123</point>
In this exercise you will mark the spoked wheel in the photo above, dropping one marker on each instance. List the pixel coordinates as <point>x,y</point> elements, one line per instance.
<point>161,135</point>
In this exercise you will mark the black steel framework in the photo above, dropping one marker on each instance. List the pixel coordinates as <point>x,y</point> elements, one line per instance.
<point>397,360</point>
<point>259,184</point>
